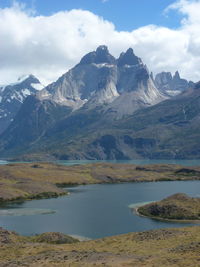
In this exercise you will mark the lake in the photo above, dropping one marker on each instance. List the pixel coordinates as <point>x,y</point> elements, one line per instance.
<point>94,211</point>
<point>194,162</point>
<point>3,162</point>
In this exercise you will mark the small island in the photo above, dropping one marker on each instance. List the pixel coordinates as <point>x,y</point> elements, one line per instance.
<point>161,247</point>
<point>176,207</point>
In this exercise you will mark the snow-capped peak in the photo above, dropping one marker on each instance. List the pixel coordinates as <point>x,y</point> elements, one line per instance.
<point>13,95</point>
<point>23,78</point>
<point>37,86</point>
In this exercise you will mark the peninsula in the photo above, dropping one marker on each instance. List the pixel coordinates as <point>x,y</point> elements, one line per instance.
<point>176,207</point>
<point>23,181</point>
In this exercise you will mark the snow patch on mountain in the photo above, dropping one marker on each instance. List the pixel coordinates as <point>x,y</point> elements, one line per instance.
<point>13,95</point>
<point>26,92</point>
<point>37,86</point>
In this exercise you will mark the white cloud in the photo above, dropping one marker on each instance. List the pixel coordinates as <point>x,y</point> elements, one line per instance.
<point>49,45</point>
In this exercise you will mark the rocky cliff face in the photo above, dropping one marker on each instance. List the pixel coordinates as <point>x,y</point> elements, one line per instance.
<point>93,79</point>
<point>12,96</point>
<point>99,79</point>
<point>135,86</point>
<point>107,108</point>
<point>172,85</point>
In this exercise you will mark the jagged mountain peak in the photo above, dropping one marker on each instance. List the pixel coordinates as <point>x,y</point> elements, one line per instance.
<point>197,86</point>
<point>172,84</point>
<point>23,82</point>
<point>129,58</point>
<point>100,79</point>
<point>100,56</point>
<point>32,79</point>
<point>164,76</point>
<point>176,76</point>
<point>106,93</point>
<point>27,81</point>
<point>102,48</point>
<point>13,95</point>
<point>27,77</point>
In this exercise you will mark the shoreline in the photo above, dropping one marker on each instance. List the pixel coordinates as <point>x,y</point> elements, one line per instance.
<point>43,195</point>
<point>49,195</point>
<point>122,249</point>
<point>28,181</point>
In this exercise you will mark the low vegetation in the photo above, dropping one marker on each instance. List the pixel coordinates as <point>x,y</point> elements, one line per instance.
<point>176,207</point>
<point>20,181</point>
<point>54,238</point>
<point>158,248</point>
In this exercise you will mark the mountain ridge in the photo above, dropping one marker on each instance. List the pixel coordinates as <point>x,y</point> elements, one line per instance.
<point>13,95</point>
<point>99,79</point>
<point>106,108</point>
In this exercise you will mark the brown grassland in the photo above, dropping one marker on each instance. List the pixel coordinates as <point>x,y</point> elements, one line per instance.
<point>19,181</point>
<point>158,248</point>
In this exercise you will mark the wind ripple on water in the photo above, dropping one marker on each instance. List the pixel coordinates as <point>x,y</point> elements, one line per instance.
<point>25,212</point>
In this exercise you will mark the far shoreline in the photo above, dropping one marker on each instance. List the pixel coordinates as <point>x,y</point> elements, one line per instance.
<point>71,162</point>
<point>37,180</point>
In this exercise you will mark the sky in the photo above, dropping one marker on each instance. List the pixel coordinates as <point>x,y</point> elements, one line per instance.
<point>48,37</point>
<point>125,14</point>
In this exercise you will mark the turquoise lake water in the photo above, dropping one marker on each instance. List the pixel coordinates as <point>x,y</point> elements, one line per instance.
<point>195,162</point>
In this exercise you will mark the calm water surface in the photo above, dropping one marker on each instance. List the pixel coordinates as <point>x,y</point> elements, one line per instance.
<point>94,211</point>
<point>195,162</point>
<point>3,162</point>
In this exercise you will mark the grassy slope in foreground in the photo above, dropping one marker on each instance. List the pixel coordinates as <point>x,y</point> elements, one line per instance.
<point>41,180</point>
<point>158,248</point>
<point>176,207</point>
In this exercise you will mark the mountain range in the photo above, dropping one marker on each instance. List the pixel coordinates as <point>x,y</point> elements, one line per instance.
<point>13,95</point>
<point>107,108</point>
